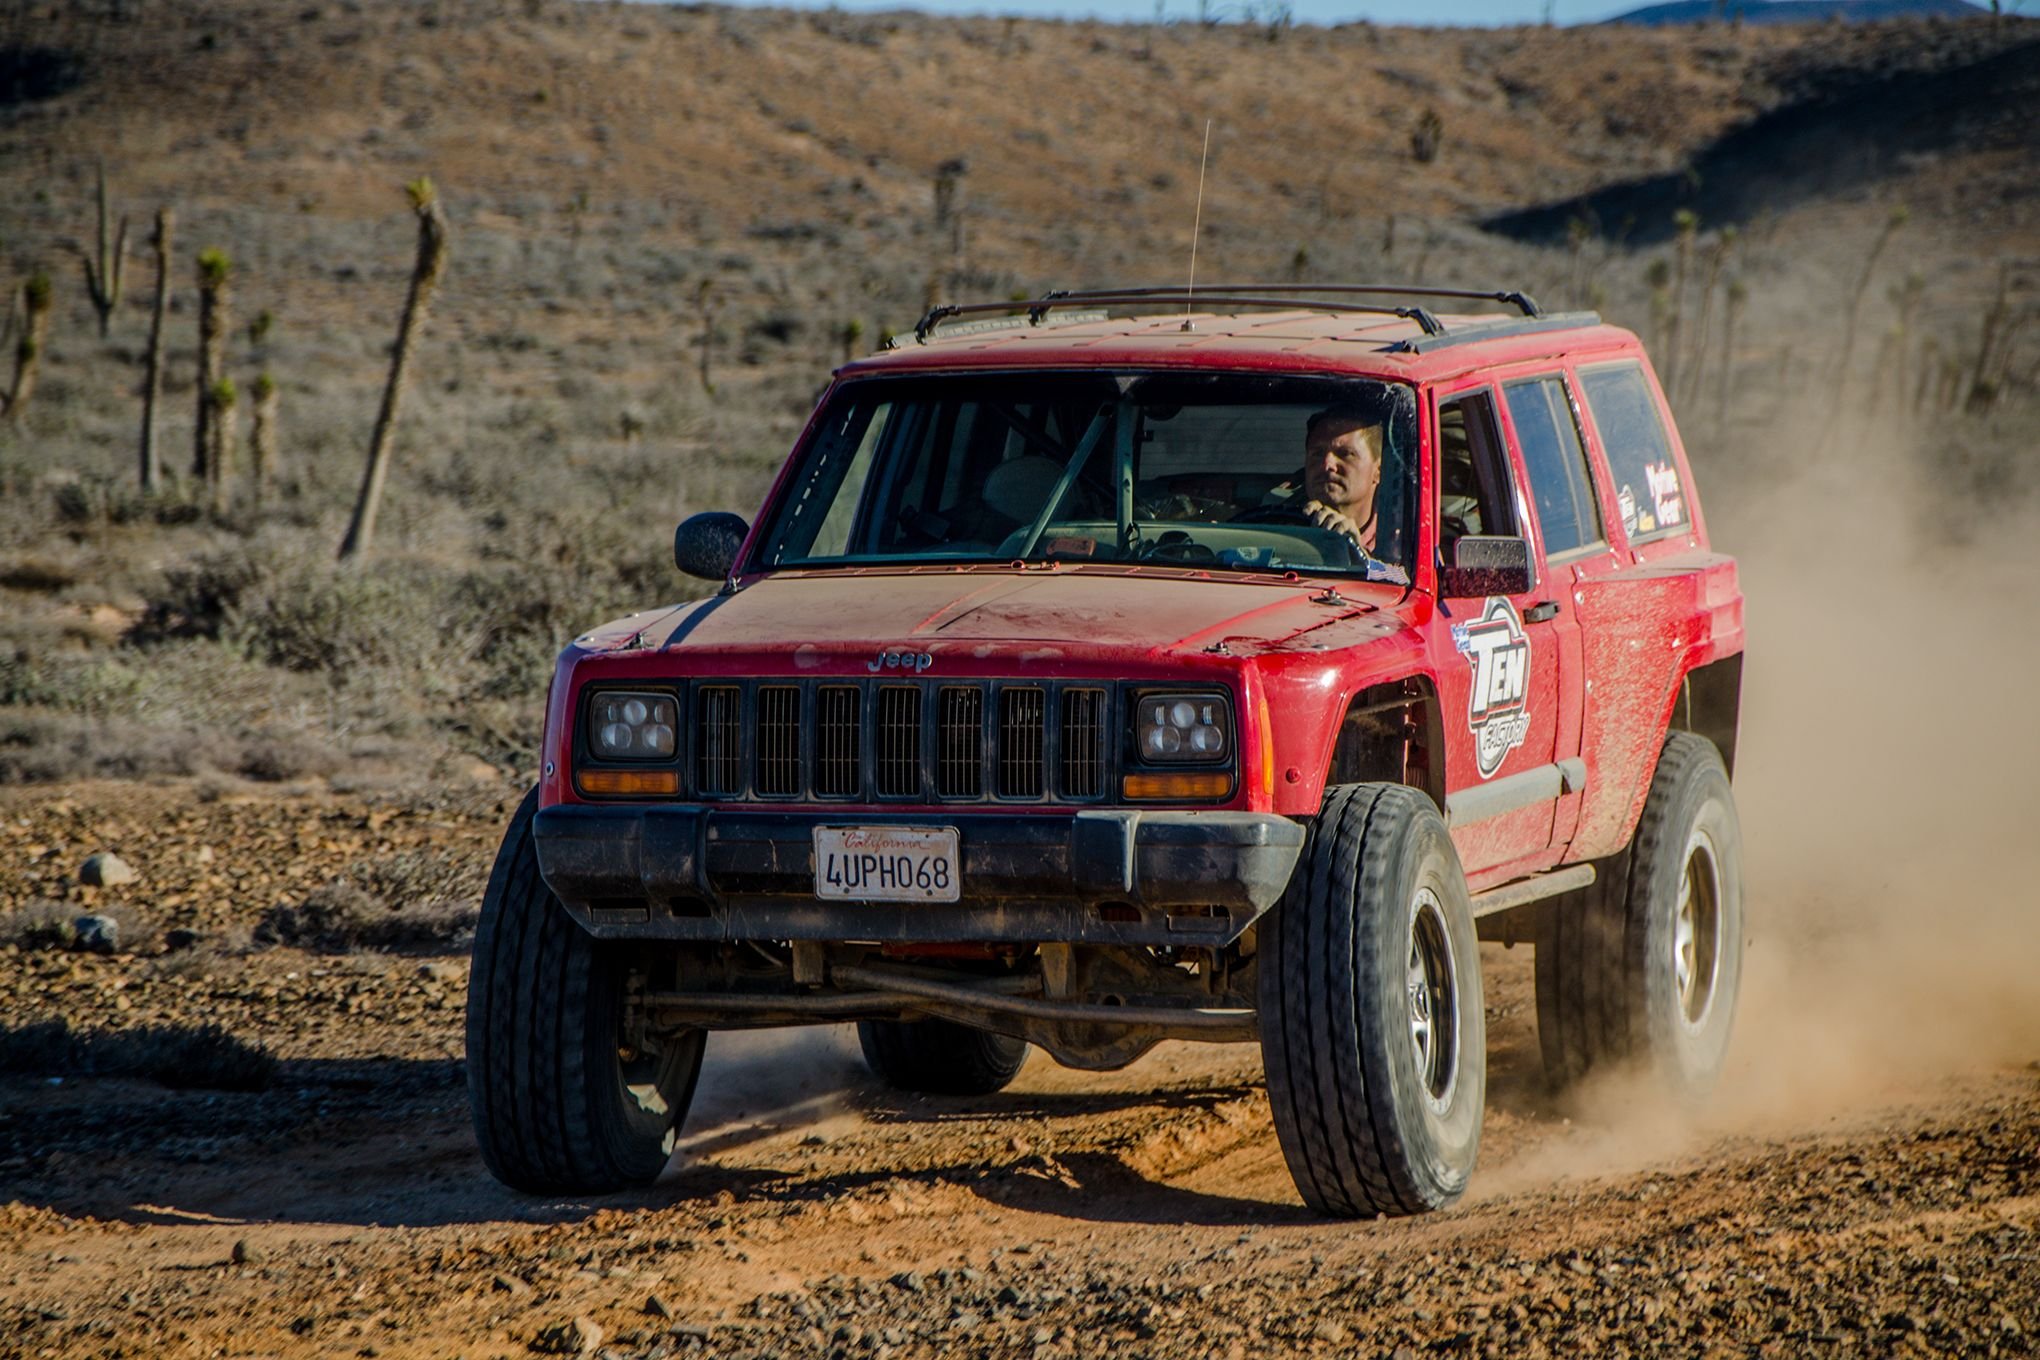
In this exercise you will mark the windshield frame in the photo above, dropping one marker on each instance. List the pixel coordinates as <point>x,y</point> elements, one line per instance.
<point>1402,396</point>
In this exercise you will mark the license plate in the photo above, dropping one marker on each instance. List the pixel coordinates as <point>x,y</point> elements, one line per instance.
<point>886,864</point>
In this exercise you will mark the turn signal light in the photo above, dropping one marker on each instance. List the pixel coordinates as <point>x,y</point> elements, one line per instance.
<point>612,782</point>
<point>1188,784</point>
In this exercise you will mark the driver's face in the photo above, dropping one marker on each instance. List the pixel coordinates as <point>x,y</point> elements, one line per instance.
<point>1342,467</point>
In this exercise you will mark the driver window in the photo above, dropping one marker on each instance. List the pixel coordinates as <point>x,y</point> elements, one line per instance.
<point>1473,483</point>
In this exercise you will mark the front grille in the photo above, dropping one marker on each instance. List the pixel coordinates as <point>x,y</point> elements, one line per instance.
<point>931,741</point>
<point>899,741</point>
<point>838,769</point>
<point>1083,743</point>
<point>721,740</point>
<point>1021,743</point>
<point>960,766</point>
<point>779,741</point>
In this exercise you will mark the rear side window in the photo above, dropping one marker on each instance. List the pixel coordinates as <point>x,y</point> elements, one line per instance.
<point>1647,486</point>
<point>1557,464</point>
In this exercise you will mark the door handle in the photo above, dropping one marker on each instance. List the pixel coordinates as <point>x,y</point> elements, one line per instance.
<point>1542,610</point>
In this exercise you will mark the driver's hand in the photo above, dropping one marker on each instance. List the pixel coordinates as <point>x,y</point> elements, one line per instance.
<point>1326,517</point>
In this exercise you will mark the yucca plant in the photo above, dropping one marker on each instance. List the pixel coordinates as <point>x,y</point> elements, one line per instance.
<point>37,302</point>
<point>105,268</point>
<point>152,383</point>
<point>425,275</point>
<point>214,304</point>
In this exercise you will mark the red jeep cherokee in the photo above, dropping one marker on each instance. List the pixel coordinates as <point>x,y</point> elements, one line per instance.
<point>1042,705</point>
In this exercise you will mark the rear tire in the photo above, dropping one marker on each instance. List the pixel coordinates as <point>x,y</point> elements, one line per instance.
<point>1646,964</point>
<point>1372,1029</point>
<point>562,1104</point>
<point>940,1057</point>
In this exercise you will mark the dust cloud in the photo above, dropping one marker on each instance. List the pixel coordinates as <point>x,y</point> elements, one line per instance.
<point>1886,783</point>
<point>757,1083</point>
<point>1885,778</point>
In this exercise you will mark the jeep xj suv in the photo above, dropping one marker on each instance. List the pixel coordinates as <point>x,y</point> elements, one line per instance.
<point>1041,705</point>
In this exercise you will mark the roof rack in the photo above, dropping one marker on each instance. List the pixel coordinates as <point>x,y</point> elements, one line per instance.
<point>1234,295</point>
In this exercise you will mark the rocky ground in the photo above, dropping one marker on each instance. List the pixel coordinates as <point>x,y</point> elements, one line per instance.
<point>340,1209</point>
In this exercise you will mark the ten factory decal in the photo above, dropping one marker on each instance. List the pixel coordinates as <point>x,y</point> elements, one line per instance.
<point>1497,705</point>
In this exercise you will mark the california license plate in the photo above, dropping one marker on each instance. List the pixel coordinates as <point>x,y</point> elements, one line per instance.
<point>886,864</point>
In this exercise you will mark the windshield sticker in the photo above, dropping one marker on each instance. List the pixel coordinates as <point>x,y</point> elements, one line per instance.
<point>1497,705</point>
<point>1627,500</point>
<point>1665,494</point>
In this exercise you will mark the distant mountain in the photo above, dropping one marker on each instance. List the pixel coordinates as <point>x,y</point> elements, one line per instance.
<point>1796,11</point>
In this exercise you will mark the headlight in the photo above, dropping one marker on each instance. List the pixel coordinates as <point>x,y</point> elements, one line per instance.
<point>1183,728</point>
<point>632,726</point>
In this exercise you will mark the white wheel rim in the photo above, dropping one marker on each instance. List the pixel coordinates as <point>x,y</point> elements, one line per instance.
<point>1431,998</point>
<point>1696,931</point>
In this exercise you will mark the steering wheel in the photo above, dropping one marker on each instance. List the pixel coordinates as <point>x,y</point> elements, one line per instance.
<point>1177,546</point>
<point>1273,514</point>
<point>1295,514</point>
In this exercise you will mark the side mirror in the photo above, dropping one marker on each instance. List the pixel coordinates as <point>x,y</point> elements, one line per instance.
<point>706,544</point>
<point>1485,564</point>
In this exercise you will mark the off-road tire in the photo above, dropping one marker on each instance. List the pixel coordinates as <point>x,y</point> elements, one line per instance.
<point>1367,1124</point>
<point>560,1106</point>
<point>940,1057</point>
<point>1609,980</point>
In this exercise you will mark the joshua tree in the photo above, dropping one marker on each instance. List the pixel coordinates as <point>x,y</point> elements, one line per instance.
<point>103,271</point>
<point>948,183</point>
<point>264,438</point>
<point>1659,277</point>
<point>152,384</point>
<point>424,282</point>
<point>1892,223</point>
<point>1428,138</point>
<point>28,351</point>
<point>1716,258</point>
<point>220,400</point>
<point>213,303</point>
<point>1578,231</point>
<point>705,304</point>
<point>1687,224</point>
<point>1738,296</point>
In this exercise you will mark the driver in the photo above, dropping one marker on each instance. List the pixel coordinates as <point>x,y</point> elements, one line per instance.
<point>1341,471</point>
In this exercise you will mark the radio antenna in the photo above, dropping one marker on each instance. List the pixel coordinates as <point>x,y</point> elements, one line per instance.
<point>1196,225</point>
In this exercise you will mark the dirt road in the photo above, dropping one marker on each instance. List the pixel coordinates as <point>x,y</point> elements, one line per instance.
<point>1866,1182</point>
<point>1142,1213</point>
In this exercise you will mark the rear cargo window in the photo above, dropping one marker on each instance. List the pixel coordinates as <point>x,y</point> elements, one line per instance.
<point>1557,465</point>
<point>1647,485</point>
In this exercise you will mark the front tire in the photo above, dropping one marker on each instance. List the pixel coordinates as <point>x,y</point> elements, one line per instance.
<point>1372,1029</point>
<point>1646,965</point>
<point>940,1057</point>
<point>563,1103</point>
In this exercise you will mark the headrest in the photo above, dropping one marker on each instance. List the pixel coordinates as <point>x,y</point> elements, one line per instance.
<point>1019,487</point>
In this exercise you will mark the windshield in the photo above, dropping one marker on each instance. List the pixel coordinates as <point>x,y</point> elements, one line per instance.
<point>1233,471</point>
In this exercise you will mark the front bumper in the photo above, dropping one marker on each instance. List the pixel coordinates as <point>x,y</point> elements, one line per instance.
<point>1096,876</point>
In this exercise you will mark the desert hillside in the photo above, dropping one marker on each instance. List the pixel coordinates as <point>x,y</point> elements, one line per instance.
<point>233,1118</point>
<point>666,223</point>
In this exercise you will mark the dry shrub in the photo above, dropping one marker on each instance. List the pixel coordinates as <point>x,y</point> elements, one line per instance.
<point>201,1058</point>
<point>415,898</point>
<point>53,925</point>
<point>43,575</point>
<point>40,925</point>
<point>43,747</point>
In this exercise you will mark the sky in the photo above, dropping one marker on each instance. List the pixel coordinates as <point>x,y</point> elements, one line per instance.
<point>1301,11</point>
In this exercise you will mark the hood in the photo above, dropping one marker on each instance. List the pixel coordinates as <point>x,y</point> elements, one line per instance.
<point>979,608</point>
